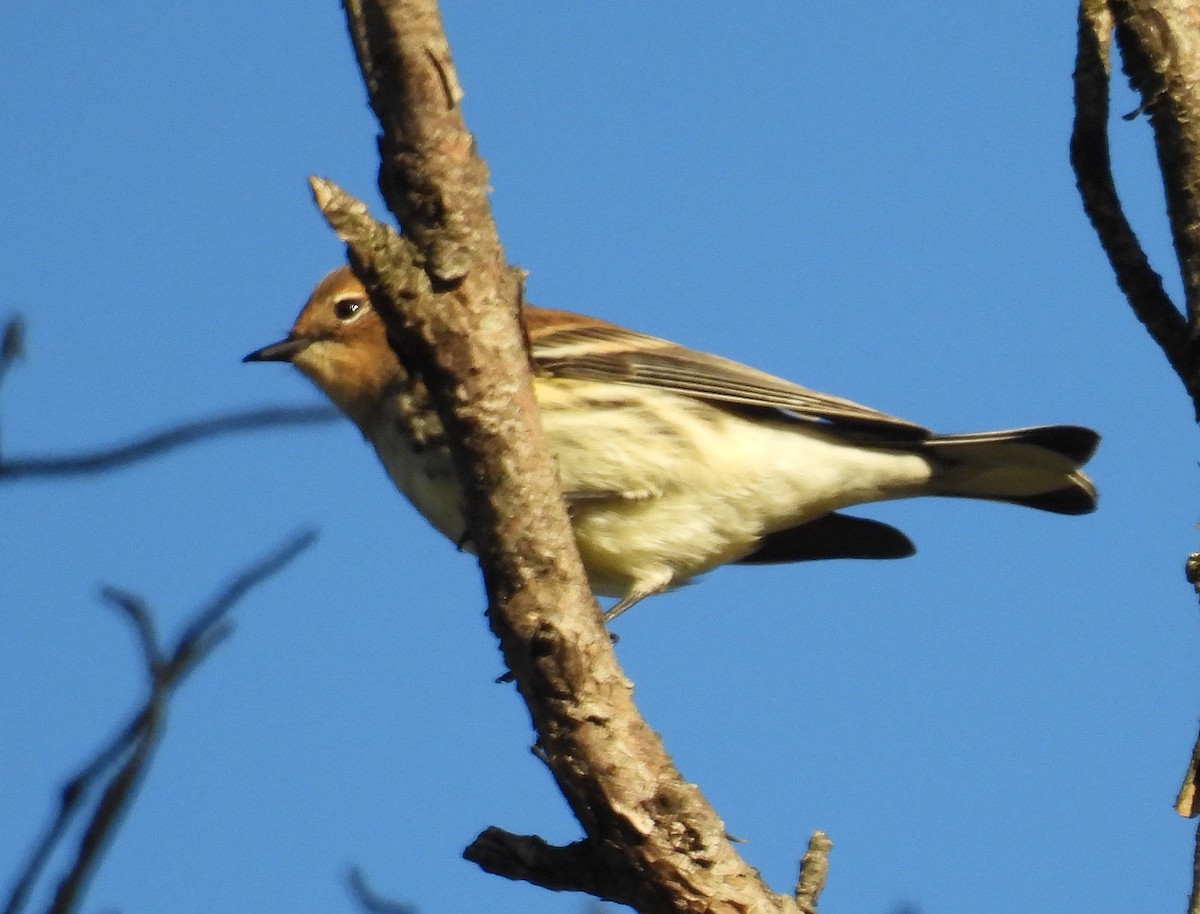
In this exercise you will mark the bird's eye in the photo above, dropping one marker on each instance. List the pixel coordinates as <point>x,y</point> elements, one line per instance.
<point>345,309</point>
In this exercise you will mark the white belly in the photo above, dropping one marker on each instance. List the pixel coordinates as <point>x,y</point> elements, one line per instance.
<point>663,487</point>
<point>426,478</point>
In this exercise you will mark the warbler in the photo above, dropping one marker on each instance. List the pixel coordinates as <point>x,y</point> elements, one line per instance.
<point>673,461</point>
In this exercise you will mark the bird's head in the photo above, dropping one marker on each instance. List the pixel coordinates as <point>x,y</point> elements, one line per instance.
<point>339,342</point>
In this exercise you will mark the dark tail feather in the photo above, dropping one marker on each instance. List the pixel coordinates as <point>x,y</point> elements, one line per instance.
<point>1036,467</point>
<point>834,536</point>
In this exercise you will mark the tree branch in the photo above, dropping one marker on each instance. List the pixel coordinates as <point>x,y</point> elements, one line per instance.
<point>814,868</point>
<point>129,752</point>
<point>1160,48</point>
<point>12,348</point>
<point>450,303</point>
<point>1092,163</point>
<point>576,867</point>
<point>121,455</point>
<point>370,900</point>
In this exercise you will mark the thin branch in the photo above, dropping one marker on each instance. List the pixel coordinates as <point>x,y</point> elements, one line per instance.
<point>370,900</point>
<point>1091,160</point>
<point>1187,803</point>
<point>12,348</point>
<point>1194,895</point>
<point>131,749</point>
<point>528,858</point>
<point>1160,49</point>
<point>135,609</point>
<point>115,799</point>
<point>12,345</point>
<point>121,455</point>
<point>198,635</point>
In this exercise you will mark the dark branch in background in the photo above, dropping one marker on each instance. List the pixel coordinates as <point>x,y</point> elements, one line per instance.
<point>450,302</point>
<point>120,455</point>
<point>118,768</point>
<point>1090,159</point>
<point>12,345</point>
<point>1160,48</point>
<point>117,456</point>
<point>370,900</point>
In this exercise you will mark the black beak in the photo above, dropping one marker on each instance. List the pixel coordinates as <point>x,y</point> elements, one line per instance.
<point>283,351</point>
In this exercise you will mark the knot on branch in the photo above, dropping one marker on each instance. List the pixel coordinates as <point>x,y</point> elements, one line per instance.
<point>577,867</point>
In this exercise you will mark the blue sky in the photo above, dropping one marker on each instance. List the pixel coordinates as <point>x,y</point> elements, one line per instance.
<point>875,202</point>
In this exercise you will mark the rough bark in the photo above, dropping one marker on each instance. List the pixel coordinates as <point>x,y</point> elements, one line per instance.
<point>451,304</point>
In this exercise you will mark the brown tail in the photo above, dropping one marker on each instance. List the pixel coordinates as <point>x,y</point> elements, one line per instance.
<point>1036,467</point>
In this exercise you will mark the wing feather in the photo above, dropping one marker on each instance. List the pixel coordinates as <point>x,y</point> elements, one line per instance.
<point>590,350</point>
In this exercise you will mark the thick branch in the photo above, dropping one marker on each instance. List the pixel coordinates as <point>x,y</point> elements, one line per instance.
<point>451,302</point>
<point>432,180</point>
<point>652,830</point>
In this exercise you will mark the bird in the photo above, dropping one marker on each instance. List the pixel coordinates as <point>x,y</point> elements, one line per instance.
<point>672,461</point>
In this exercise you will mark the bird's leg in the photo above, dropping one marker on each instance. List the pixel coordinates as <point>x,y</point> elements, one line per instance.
<point>639,591</point>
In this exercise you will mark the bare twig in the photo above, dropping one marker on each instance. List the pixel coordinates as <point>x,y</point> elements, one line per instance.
<point>138,613</point>
<point>370,900</point>
<point>12,347</point>
<point>814,868</point>
<point>130,750</point>
<point>1090,158</point>
<point>115,798</point>
<point>121,455</point>
<point>1194,895</point>
<point>1187,802</point>
<point>12,343</point>
<point>576,867</point>
<point>1160,49</point>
